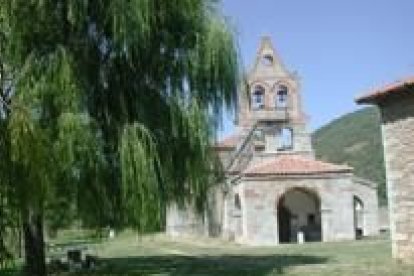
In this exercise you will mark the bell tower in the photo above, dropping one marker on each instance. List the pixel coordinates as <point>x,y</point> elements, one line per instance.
<point>272,104</point>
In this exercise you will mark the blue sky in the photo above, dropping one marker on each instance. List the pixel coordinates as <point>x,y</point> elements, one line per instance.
<point>340,49</point>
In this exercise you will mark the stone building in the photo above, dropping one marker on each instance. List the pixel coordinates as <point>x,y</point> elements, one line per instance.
<point>275,191</point>
<point>396,102</point>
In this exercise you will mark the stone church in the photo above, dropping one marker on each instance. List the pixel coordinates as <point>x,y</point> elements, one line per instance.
<point>275,190</point>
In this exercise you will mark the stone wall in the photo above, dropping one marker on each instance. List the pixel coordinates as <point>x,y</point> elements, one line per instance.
<point>398,136</point>
<point>336,193</point>
<point>302,139</point>
<point>367,192</point>
<point>186,221</point>
<point>255,221</point>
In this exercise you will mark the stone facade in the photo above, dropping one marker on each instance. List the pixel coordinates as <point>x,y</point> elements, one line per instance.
<point>396,102</point>
<point>275,190</point>
<point>398,131</point>
<point>260,197</point>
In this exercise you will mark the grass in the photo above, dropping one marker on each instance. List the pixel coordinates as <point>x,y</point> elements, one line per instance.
<point>159,255</point>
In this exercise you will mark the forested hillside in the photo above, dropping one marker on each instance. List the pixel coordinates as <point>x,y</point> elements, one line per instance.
<point>355,140</point>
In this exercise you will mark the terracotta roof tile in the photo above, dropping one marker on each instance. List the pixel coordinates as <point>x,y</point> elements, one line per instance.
<point>380,93</point>
<point>228,142</point>
<point>295,165</point>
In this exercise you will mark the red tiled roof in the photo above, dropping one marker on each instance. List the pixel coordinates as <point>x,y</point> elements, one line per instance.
<point>295,165</point>
<point>229,142</point>
<point>381,93</point>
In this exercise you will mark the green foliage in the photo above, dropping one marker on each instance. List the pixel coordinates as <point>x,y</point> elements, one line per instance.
<point>9,218</point>
<point>138,160</point>
<point>113,106</point>
<point>355,139</point>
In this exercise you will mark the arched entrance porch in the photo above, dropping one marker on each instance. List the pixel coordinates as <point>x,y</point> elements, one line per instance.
<point>299,210</point>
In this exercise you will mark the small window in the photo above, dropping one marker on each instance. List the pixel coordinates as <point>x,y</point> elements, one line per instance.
<point>259,135</point>
<point>267,60</point>
<point>311,219</point>
<point>237,202</point>
<point>282,96</point>
<point>258,98</point>
<point>286,139</point>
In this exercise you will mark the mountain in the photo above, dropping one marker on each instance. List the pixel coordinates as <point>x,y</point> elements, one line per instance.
<point>355,139</point>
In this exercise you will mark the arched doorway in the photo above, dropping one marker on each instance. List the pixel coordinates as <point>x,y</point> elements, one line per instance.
<point>238,216</point>
<point>358,218</point>
<point>299,211</point>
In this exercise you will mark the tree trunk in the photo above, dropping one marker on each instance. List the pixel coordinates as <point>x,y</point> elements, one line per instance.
<point>34,245</point>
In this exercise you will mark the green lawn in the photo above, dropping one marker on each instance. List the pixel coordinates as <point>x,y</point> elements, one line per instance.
<point>159,255</point>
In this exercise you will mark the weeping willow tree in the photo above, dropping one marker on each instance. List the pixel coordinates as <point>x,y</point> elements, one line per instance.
<point>112,109</point>
<point>9,219</point>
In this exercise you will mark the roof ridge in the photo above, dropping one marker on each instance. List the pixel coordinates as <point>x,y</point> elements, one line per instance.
<point>384,90</point>
<point>295,164</point>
